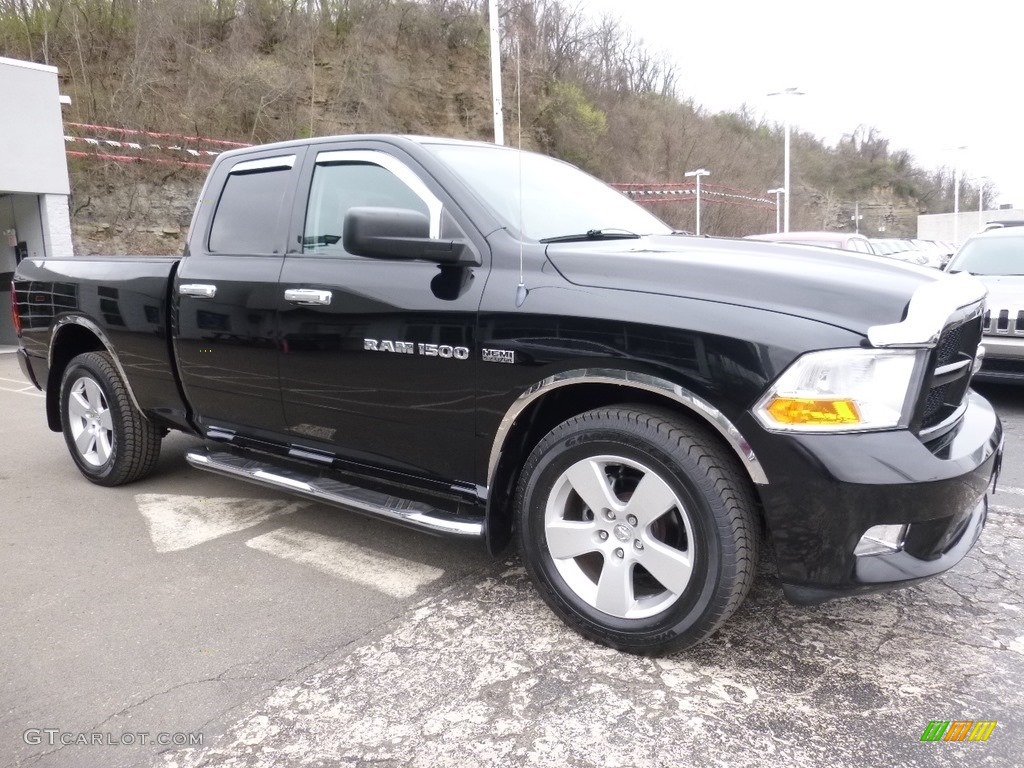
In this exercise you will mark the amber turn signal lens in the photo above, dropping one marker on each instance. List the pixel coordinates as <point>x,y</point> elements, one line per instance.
<point>795,410</point>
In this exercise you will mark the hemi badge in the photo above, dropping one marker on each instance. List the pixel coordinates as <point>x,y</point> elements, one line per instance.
<point>499,356</point>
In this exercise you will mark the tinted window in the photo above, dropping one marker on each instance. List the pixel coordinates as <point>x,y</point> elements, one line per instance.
<point>340,186</point>
<point>247,214</point>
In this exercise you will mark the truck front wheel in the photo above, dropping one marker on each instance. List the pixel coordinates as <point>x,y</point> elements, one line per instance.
<point>638,528</point>
<point>109,439</point>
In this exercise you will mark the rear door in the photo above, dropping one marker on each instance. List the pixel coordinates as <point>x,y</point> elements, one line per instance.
<point>378,356</point>
<point>225,334</point>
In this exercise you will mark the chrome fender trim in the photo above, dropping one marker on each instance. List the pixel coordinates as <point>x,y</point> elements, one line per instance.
<point>932,307</point>
<point>98,333</point>
<point>631,380</point>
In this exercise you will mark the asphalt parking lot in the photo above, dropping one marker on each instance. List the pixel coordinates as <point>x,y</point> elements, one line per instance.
<point>286,633</point>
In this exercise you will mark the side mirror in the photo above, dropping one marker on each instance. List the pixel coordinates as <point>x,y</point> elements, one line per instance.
<point>397,233</point>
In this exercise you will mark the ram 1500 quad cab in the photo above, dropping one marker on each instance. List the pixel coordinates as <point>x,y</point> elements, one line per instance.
<point>487,343</point>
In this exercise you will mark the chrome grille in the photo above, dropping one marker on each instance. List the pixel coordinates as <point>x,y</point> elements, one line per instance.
<point>949,373</point>
<point>1004,322</point>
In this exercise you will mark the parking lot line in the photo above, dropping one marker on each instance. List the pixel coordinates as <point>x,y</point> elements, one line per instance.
<point>180,522</point>
<point>22,388</point>
<point>30,391</point>
<point>392,575</point>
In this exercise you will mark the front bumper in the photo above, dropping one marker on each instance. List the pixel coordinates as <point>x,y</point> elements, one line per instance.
<point>825,491</point>
<point>1004,359</point>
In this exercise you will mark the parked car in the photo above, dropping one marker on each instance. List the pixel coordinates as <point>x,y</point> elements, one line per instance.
<point>996,257</point>
<point>1002,223</point>
<point>849,241</point>
<point>899,248</point>
<point>846,241</point>
<point>939,253</point>
<point>479,342</point>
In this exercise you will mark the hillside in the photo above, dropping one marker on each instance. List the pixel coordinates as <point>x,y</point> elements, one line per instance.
<point>264,70</point>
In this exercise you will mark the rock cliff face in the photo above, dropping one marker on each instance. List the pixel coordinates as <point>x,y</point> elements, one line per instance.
<point>128,211</point>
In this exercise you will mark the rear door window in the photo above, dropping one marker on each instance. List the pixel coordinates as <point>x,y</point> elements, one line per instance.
<point>250,211</point>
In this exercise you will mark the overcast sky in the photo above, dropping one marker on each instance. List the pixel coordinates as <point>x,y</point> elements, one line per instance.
<point>930,76</point>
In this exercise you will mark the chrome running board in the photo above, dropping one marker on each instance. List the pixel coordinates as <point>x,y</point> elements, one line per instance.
<point>336,493</point>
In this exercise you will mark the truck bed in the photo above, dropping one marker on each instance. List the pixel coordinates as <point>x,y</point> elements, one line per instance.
<point>125,300</point>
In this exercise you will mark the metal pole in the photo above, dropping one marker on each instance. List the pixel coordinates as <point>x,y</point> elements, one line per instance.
<point>698,205</point>
<point>499,127</point>
<point>697,173</point>
<point>778,211</point>
<point>785,182</point>
<point>787,104</point>
<point>981,201</point>
<point>956,205</point>
<point>856,216</point>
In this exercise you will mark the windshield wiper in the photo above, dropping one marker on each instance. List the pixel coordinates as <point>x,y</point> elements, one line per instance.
<point>594,234</point>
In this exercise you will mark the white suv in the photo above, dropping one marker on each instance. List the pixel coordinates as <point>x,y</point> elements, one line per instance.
<point>996,257</point>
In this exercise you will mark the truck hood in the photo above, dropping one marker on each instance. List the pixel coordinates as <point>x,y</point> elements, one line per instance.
<point>841,288</point>
<point>1004,291</point>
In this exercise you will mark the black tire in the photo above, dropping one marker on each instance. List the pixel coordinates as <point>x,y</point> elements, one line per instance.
<point>709,522</point>
<point>110,441</point>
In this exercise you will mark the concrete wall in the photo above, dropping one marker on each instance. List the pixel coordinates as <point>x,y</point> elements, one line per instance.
<point>31,130</point>
<point>34,184</point>
<point>56,221</point>
<point>941,226</point>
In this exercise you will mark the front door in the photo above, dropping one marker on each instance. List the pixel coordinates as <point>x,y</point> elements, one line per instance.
<point>377,356</point>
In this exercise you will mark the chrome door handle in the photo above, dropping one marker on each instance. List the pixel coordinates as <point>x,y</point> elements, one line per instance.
<point>307,296</point>
<point>197,290</point>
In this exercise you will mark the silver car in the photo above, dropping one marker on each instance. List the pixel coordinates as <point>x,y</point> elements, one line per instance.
<point>996,257</point>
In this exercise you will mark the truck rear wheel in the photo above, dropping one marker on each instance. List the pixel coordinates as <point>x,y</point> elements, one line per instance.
<point>637,528</point>
<point>109,439</point>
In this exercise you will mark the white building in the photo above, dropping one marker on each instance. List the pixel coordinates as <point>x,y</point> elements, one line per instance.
<point>955,228</point>
<point>34,187</point>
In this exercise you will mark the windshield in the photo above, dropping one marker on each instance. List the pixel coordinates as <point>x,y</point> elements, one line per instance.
<point>990,256</point>
<point>559,199</point>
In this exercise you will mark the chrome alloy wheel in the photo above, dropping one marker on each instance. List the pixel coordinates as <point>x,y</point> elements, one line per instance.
<point>619,537</point>
<point>90,421</point>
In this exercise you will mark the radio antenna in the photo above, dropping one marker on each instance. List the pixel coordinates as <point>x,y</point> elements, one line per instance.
<point>521,290</point>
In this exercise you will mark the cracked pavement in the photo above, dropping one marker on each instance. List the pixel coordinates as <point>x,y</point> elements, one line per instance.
<point>279,663</point>
<point>485,675</point>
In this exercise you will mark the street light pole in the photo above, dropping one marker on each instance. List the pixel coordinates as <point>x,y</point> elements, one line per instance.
<point>956,197</point>
<point>785,128</point>
<point>697,174</point>
<point>956,206</point>
<point>981,200</point>
<point>495,35</point>
<point>778,223</point>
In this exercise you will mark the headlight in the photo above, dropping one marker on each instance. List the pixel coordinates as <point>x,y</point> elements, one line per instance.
<point>840,390</point>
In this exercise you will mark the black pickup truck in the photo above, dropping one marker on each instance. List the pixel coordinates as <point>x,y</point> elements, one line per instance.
<point>487,343</point>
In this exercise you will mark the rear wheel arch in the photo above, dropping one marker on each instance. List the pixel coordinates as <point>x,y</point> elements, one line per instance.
<point>72,336</point>
<point>563,396</point>
<point>69,340</point>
